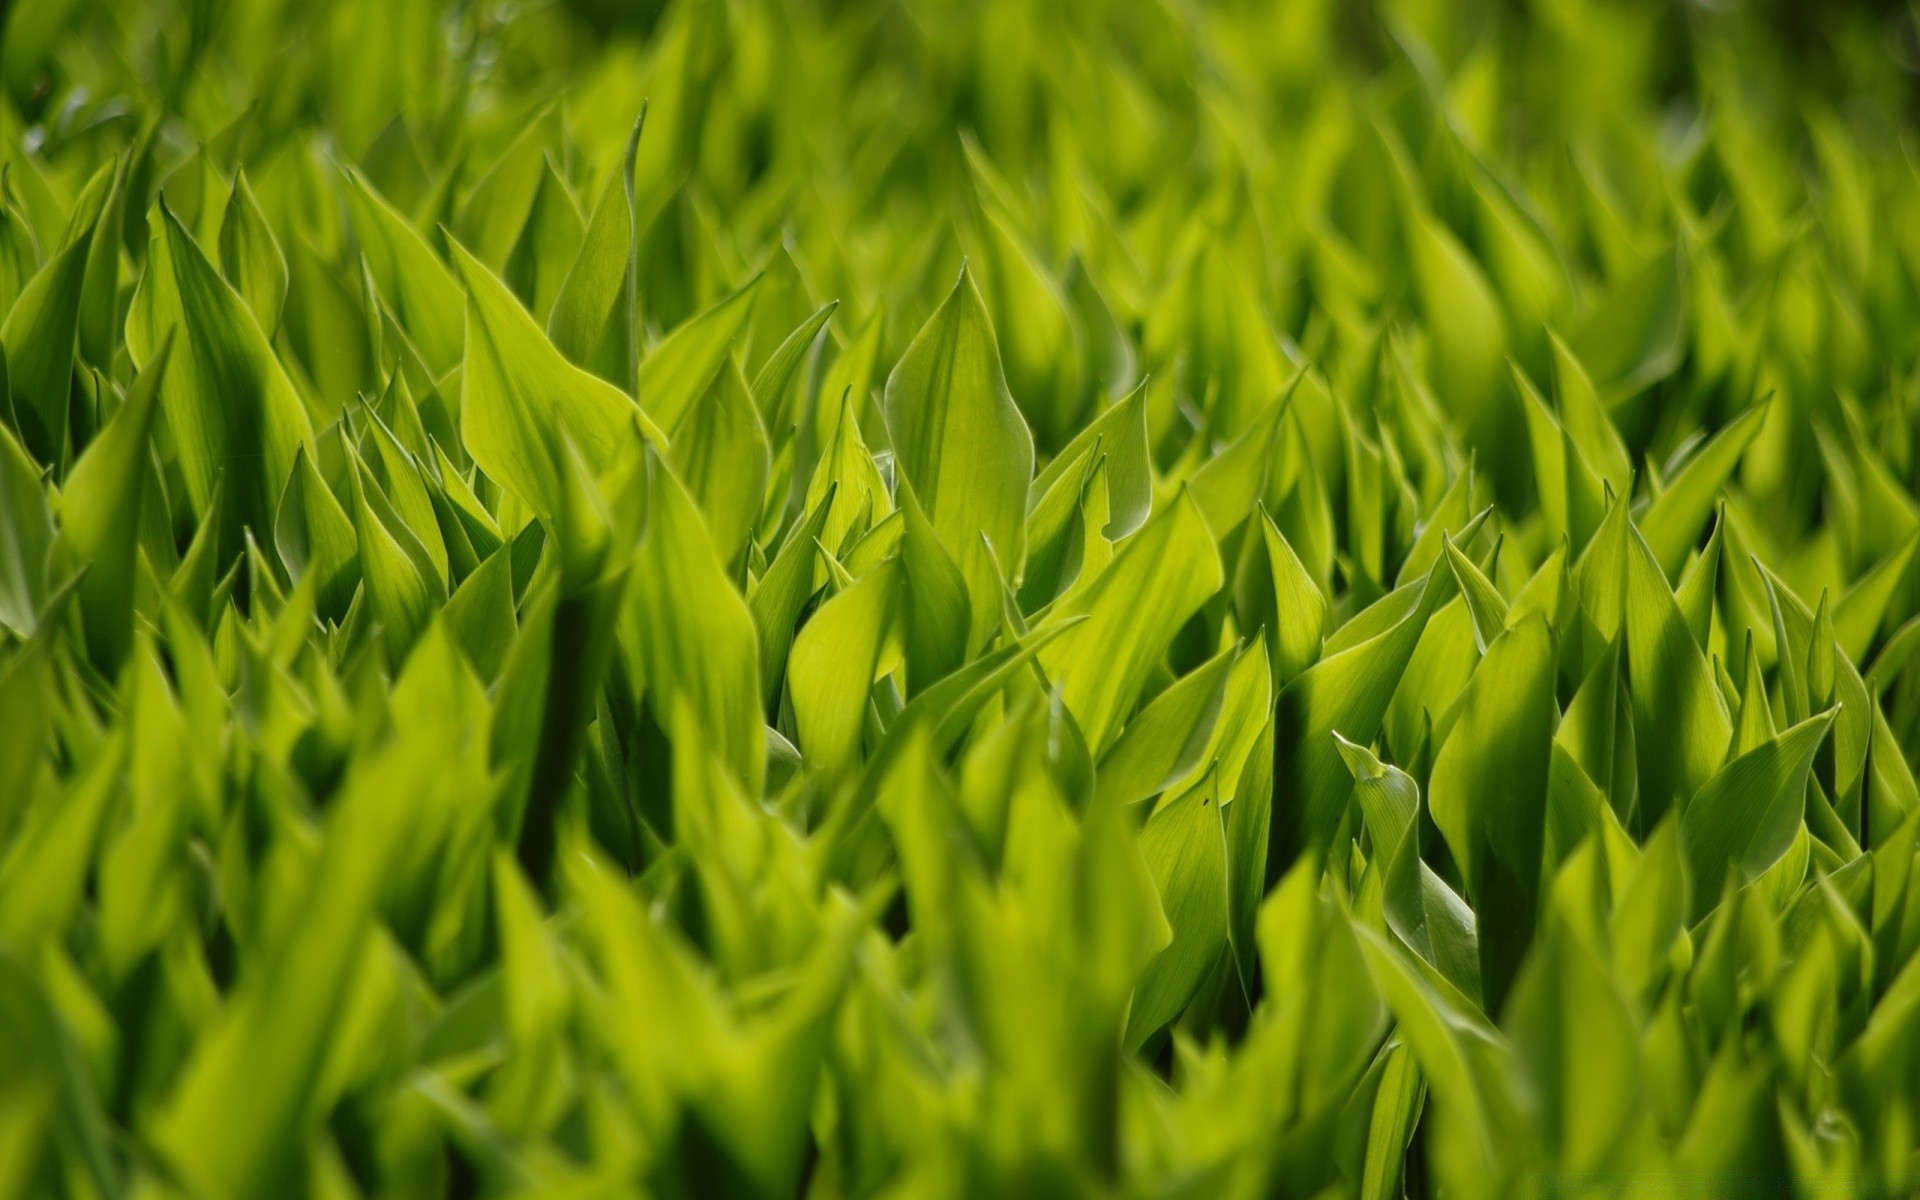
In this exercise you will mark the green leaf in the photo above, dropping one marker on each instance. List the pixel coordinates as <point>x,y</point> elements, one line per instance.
<point>1469,331</point>
<point>494,213</point>
<point>1134,609</point>
<point>1570,490</point>
<point>1057,536</point>
<point>232,412</point>
<point>26,538</point>
<point>404,480</point>
<point>542,256</point>
<point>421,292</point>
<point>847,484</point>
<point>1745,816</point>
<point>722,454</point>
<point>519,400</point>
<point>781,593</point>
<point>1163,742</point>
<point>595,320</point>
<point>1185,849</point>
<point>19,248</point>
<point>1635,333</point>
<point>480,616</point>
<point>1346,692</point>
<point>1484,603</point>
<point>937,615</point>
<point>100,320</point>
<point>962,444</point>
<point>239,1110</point>
<point>312,532</point>
<point>831,668</point>
<point>250,257</point>
<point>775,376</point>
<point>38,335</point>
<point>1231,482</point>
<point>100,513</point>
<point>1863,606</point>
<point>1575,1040</point>
<point>402,583</point>
<point>46,865</point>
<point>1489,781</point>
<point>677,371</point>
<point>1120,434</point>
<point>1249,830</point>
<point>1673,521</point>
<point>1679,719</point>
<point>687,633</point>
<point>1451,1047</point>
<point>1589,429</point>
<point>1650,911</point>
<point>1042,348</point>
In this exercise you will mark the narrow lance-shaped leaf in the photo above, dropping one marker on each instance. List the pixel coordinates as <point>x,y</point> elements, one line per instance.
<point>688,633</point>
<point>1120,434</point>
<point>831,668</point>
<point>46,864</point>
<point>231,1122</point>
<point>1345,692</point>
<point>938,615</point>
<point>1589,428</point>
<point>1300,610</point>
<point>100,313</point>
<point>962,443</point>
<point>38,335</point>
<point>675,373</point>
<point>1680,723</point>
<point>1674,520</point>
<point>1576,1042</point>
<point>1165,739</point>
<point>1134,608</point>
<point>774,379</point>
<point>250,257</point>
<point>595,320</point>
<point>100,513</point>
<point>1488,791</point>
<point>411,278</point>
<point>229,405</point>
<point>312,532</point>
<point>26,537</point>
<point>781,593</point>
<point>1745,817</point>
<point>723,456</point>
<point>1185,848</point>
<point>519,398</point>
<point>402,583</point>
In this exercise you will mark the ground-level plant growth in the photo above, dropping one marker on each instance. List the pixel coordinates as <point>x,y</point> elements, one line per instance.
<point>892,599</point>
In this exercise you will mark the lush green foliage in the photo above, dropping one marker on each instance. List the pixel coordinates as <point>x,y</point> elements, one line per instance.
<point>887,599</point>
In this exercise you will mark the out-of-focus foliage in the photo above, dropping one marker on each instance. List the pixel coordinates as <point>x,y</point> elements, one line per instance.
<point>869,599</point>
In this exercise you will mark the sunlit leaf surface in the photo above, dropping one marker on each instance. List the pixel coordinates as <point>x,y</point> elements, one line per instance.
<point>880,599</point>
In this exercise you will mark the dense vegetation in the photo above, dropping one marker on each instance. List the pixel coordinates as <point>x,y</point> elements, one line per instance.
<point>871,599</point>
